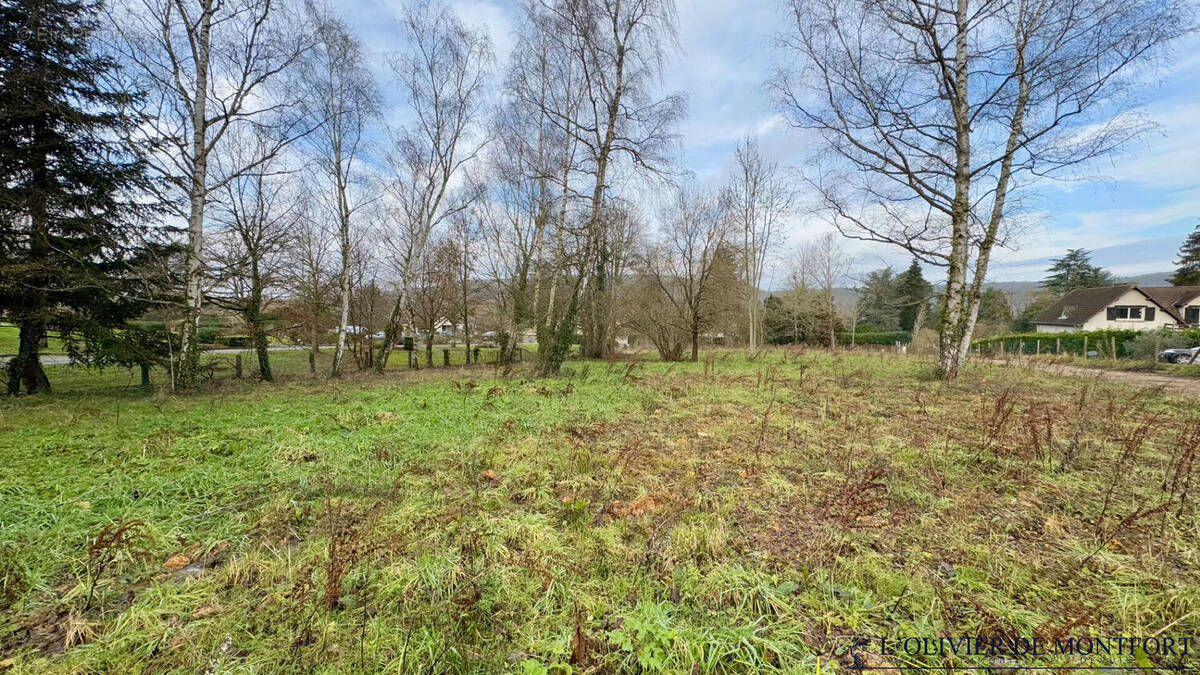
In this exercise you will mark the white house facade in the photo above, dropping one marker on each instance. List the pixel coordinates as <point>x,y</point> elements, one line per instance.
<point>1124,307</point>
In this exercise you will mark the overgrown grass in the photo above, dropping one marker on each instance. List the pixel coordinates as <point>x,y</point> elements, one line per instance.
<point>733,515</point>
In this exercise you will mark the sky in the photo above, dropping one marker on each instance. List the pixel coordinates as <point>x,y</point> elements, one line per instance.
<point>1133,215</point>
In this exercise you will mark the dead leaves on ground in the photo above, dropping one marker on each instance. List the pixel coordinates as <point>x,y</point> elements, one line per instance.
<point>644,505</point>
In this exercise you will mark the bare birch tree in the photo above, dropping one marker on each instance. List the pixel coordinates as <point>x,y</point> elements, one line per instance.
<point>465,236</point>
<point>531,166</point>
<point>443,76</point>
<point>433,291</point>
<point>208,65</point>
<point>681,263</point>
<point>617,47</point>
<point>935,113</point>
<point>756,199</point>
<point>342,102</point>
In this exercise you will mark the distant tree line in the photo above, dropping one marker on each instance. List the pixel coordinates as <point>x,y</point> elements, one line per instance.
<point>241,161</point>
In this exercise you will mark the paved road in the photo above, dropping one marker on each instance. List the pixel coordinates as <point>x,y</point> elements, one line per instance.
<point>1176,384</point>
<point>63,359</point>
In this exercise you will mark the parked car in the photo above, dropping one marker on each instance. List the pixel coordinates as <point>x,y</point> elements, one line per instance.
<point>1179,355</point>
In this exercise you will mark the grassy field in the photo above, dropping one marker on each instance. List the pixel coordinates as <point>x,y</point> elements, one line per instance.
<point>10,342</point>
<point>728,516</point>
<point>219,370</point>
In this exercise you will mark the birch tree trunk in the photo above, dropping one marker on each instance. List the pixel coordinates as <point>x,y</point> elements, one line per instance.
<point>339,353</point>
<point>951,325</point>
<point>189,361</point>
<point>1016,129</point>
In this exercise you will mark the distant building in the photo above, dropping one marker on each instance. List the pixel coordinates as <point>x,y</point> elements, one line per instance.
<point>1123,307</point>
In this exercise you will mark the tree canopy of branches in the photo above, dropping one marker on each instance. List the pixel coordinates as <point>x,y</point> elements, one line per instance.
<point>681,269</point>
<point>933,114</point>
<point>613,51</point>
<point>757,199</point>
<point>433,292</point>
<point>255,214</point>
<point>310,278</point>
<point>443,76</point>
<point>825,261</point>
<point>342,102</point>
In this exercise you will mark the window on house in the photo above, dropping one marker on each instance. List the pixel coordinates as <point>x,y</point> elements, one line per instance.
<point>1125,313</point>
<point>1191,316</point>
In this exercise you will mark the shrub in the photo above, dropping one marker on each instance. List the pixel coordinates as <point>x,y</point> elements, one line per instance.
<point>1143,346</point>
<point>1129,343</point>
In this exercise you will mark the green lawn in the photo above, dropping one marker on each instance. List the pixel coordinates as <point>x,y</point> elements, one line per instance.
<point>10,343</point>
<point>728,516</point>
<point>219,371</point>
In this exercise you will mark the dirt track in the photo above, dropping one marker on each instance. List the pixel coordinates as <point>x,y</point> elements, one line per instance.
<point>1172,383</point>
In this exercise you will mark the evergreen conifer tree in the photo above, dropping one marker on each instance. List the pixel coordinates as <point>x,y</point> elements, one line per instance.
<point>913,293</point>
<point>1187,267</point>
<point>1074,271</point>
<point>69,234</point>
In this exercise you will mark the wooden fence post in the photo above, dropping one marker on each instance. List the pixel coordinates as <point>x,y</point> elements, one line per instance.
<point>1112,341</point>
<point>237,366</point>
<point>1037,350</point>
<point>145,375</point>
<point>446,358</point>
<point>1157,346</point>
<point>1057,345</point>
<point>1085,346</point>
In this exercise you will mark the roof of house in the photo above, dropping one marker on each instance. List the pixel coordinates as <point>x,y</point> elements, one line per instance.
<point>1076,307</point>
<point>1172,298</point>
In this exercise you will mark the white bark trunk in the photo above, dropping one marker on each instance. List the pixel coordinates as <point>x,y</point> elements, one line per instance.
<point>951,325</point>
<point>198,194</point>
<point>1016,128</point>
<point>339,353</point>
